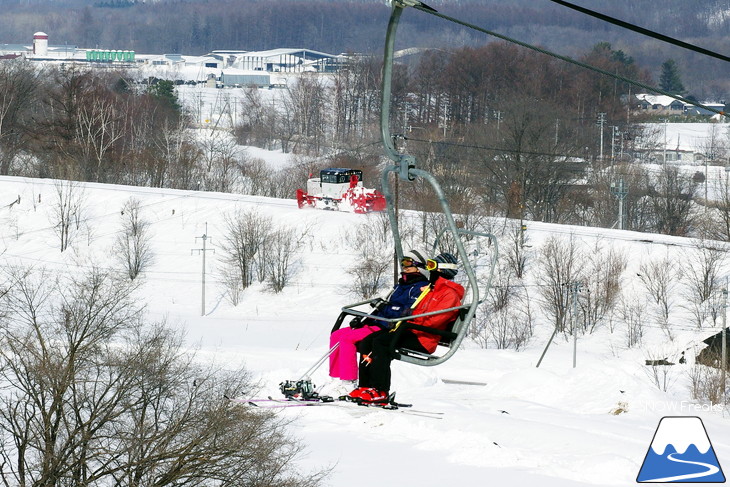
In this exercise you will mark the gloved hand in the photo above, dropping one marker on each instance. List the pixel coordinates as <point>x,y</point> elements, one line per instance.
<point>356,322</point>
<point>378,303</point>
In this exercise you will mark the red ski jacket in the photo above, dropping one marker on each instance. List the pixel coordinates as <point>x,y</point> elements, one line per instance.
<point>445,294</point>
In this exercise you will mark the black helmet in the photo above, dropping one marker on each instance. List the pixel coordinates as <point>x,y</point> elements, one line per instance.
<point>447,265</point>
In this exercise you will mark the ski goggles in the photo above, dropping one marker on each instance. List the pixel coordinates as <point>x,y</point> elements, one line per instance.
<point>408,262</point>
<point>430,265</point>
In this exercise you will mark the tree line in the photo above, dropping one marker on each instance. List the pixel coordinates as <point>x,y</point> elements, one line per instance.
<point>77,124</point>
<point>508,131</point>
<point>196,28</point>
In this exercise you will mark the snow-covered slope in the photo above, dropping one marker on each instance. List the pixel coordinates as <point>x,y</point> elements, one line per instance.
<point>549,426</point>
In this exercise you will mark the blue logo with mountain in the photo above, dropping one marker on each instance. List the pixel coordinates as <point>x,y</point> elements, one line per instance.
<point>681,452</point>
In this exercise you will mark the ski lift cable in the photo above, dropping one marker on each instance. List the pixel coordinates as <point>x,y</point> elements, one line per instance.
<point>642,30</point>
<point>490,148</point>
<point>567,59</point>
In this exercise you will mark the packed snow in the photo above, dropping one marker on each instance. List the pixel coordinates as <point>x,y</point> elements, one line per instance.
<point>504,421</point>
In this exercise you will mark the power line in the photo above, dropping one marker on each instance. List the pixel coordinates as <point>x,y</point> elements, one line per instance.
<point>570,60</point>
<point>496,149</point>
<point>641,30</point>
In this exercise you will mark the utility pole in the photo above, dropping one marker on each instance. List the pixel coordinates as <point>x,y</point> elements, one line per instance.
<point>205,238</point>
<point>708,157</point>
<point>614,132</point>
<point>575,289</point>
<point>601,123</point>
<point>620,191</point>
<point>613,143</point>
<point>665,142</point>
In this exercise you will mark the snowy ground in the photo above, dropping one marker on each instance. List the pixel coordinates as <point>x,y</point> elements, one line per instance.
<point>528,426</point>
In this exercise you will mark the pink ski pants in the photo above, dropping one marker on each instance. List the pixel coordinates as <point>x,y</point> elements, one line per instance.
<point>343,361</point>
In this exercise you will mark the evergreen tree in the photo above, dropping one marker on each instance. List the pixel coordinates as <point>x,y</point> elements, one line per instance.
<point>670,80</point>
<point>164,90</point>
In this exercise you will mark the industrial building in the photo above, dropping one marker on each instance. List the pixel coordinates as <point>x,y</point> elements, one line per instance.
<point>41,50</point>
<point>227,68</point>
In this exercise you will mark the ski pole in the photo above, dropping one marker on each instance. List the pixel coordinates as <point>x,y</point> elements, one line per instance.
<point>319,362</point>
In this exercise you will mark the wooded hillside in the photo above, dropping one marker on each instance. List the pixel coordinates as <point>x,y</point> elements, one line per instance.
<point>197,27</point>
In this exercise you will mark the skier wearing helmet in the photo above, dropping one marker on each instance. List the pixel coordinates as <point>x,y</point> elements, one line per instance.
<point>343,360</point>
<point>440,293</point>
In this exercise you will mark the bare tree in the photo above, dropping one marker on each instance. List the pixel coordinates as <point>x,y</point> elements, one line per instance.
<point>632,312</point>
<point>305,103</point>
<point>355,100</point>
<point>94,396</point>
<point>247,232</point>
<point>713,150</point>
<point>659,278</point>
<point>719,225</point>
<point>18,85</point>
<point>534,174</point>
<point>560,266</point>
<point>255,173</point>
<point>231,280</point>
<point>603,280</point>
<point>220,161</point>
<point>702,275</point>
<point>280,255</point>
<point>372,260</point>
<point>100,124</point>
<point>259,121</point>
<point>706,384</point>
<point>517,254</point>
<point>658,370</point>
<point>133,246</point>
<point>506,317</point>
<point>67,213</point>
<point>511,327</point>
<point>177,163</point>
<point>672,202</point>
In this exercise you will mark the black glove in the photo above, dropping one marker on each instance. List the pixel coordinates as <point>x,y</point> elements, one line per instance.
<point>378,303</point>
<point>356,322</point>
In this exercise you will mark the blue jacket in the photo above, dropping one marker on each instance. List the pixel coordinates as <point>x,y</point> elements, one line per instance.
<point>401,299</point>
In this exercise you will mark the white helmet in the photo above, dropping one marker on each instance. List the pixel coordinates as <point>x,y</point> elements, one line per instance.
<point>419,260</point>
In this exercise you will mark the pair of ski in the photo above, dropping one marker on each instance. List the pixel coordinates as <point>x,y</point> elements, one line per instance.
<point>343,401</point>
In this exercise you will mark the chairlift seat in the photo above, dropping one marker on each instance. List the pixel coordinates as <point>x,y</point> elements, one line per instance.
<point>447,336</point>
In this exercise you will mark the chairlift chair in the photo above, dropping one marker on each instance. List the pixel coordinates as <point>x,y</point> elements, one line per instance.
<point>404,167</point>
